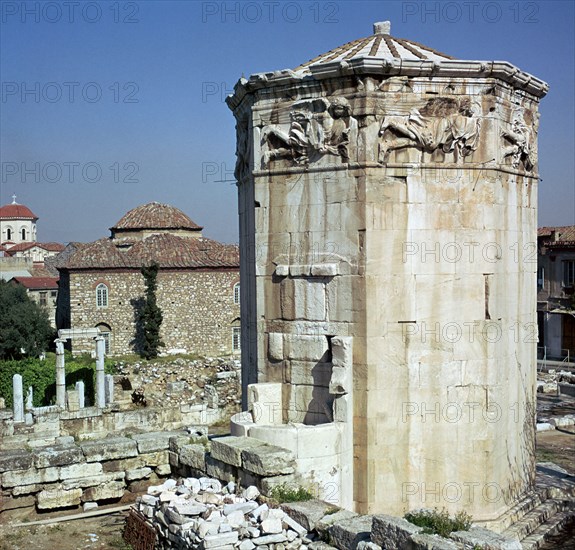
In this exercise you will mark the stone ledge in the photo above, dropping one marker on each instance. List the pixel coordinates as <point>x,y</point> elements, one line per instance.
<point>58,456</point>
<point>109,449</point>
<point>15,460</point>
<point>229,449</point>
<point>155,441</point>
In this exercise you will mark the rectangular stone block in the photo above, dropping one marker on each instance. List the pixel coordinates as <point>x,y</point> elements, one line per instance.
<point>111,490</point>
<point>80,470</point>
<point>58,456</point>
<point>228,449</point>
<point>268,460</point>
<point>15,460</point>
<point>109,449</point>
<point>193,456</point>
<point>123,464</point>
<point>275,346</point>
<point>154,441</point>
<point>220,470</point>
<point>349,533</point>
<point>29,477</point>
<point>391,530</point>
<point>58,498</point>
<point>8,503</point>
<point>155,459</point>
<point>303,299</point>
<point>138,473</point>
<point>306,347</point>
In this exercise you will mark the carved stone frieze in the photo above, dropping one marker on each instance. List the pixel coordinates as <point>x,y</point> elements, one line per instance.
<point>317,127</point>
<point>444,123</point>
<point>519,140</point>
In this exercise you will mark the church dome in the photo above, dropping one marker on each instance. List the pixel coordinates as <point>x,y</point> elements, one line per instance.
<point>15,211</point>
<point>155,215</point>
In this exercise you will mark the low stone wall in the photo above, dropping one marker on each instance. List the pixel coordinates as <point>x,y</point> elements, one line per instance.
<point>69,474</point>
<point>44,426</point>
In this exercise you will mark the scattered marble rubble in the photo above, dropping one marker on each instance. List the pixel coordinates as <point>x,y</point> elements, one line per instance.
<point>201,513</point>
<point>211,380</point>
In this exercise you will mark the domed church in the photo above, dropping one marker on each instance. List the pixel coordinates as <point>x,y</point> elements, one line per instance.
<point>198,284</point>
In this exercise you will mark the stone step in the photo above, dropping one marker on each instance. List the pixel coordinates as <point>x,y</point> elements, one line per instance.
<point>533,519</point>
<point>523,507</point>
<point>551,527</point>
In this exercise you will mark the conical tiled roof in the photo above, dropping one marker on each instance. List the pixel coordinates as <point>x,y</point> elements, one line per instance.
<point>380,45</point>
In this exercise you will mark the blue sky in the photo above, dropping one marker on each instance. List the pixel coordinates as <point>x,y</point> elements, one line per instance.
<point>113,104</point>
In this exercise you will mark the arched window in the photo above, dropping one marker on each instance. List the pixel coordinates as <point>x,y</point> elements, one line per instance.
<point>237,293</point>
<point>9,234</point>
<point>102,295</point>
<point>23,233</point>
<point>236,335</point>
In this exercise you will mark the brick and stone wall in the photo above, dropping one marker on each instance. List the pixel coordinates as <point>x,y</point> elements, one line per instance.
<point>197,306</point>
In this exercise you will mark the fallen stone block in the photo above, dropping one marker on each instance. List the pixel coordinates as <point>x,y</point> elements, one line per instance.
<point>109,449</point>
<point>58,498</point>
<point>330,519</point>
<point>221,539</point>
<point>390,530</point>
<point>484,538</point>
<point>155,459</point>
<point>15,460</point>
<point>163,470</point>
<point>123,464</point>
<point>307,513</point>
<point>347,534</point>
<point>268,460</point>
<point>431,542</point>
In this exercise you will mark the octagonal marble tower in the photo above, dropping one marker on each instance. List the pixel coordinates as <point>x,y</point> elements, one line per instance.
<point>388,207</point>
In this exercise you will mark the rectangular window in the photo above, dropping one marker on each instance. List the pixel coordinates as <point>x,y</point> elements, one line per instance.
<point>568,273</point>
<point>540,278</point>
<point>236,338</point>
<point>43,299</point>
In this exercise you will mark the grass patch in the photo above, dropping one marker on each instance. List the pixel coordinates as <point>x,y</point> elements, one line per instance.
<point>290,493</point>
<point>438,522</point>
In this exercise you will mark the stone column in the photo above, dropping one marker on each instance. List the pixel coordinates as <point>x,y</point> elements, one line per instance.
<point>18,398</point>
<point>30,398</point>
<point>100,377</point>
<point>80,390</point>
<point>109,383</point>
<point>60,374</point>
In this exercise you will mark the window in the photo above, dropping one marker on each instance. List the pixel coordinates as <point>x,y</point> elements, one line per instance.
<point>8,234</point>
<point>106,333</point>
<point>43,299</point>
<point>236,338</point>
<point>102,295</point>
<point>568,273</point>
<point>23,234</point>
<point>540,278</point>
<point>237,293</point>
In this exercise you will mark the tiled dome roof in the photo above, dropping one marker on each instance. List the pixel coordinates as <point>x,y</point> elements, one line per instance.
<point>155,215</point>
<point>16,211</point>
<point>380,45</point>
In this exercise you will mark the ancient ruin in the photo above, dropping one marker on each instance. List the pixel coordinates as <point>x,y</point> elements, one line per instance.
<point>388,201</point>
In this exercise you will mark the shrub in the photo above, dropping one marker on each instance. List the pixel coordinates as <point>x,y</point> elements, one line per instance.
<point>41,375</point>
<point>290,493</point>
<point>439,522</point>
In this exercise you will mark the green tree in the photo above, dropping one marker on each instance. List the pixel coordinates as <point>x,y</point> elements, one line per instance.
<point>151,315</point>
<point>24,326</point>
